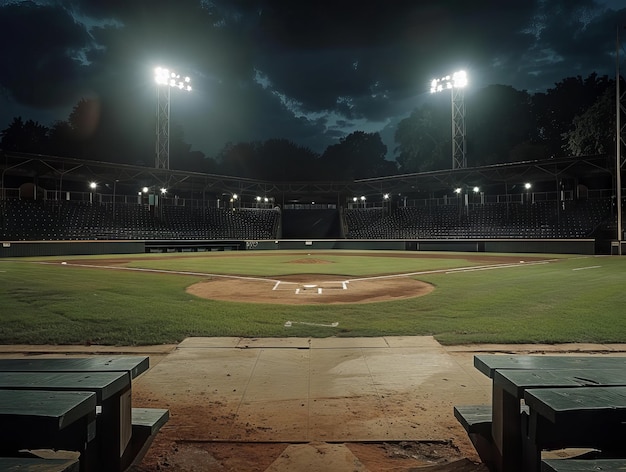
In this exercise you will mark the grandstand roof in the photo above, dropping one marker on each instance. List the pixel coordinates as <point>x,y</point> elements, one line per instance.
<point>71,170</point>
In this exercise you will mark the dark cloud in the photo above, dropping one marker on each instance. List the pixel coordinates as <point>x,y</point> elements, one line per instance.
<point>309,71</point>
<point>41,49</point>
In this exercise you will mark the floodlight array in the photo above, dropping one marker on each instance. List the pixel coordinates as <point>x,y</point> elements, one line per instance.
<point>456,80</point>
<point>164,76</point>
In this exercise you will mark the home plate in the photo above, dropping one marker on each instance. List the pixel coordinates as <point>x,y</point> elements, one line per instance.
<point>306,287</point>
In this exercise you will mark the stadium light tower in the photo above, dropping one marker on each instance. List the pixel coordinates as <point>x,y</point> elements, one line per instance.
<point>456,83</point>
<point>166,80</point>
<point>620,110</point>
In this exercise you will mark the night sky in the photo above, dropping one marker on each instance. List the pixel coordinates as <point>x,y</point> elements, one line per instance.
<point>308,71</point>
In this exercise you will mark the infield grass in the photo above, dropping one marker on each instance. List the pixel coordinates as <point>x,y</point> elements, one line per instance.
<point>568,299</point>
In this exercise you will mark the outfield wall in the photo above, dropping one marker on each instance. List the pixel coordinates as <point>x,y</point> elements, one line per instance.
<point>552,246</point>
<point>66,248</point>
<point>62,248</point>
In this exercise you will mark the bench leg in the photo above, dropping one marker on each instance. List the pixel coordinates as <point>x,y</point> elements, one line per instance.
<point>506,432</point>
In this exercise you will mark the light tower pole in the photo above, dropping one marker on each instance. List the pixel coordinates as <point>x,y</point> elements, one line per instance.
<point>620,109</point>
<point>166,80</point>
<point>456,83</point>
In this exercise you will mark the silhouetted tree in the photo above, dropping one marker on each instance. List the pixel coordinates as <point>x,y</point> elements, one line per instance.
<point>274,159</point>
<point>357,155</point>
<point>239,159</point>
<point>594,130</point>
<point>61,140</point>
<point>424,139</point>
<point>282,160</point>
<point>25,136</point>
<point>554,111</point>
<point>499,124</point>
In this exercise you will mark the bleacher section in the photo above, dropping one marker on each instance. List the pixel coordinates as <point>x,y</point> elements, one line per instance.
<point>25,220</point>
<point>51,220</point>
<point>540,220</point>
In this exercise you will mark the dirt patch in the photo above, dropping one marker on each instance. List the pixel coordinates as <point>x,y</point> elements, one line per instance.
<point>406,456</point>
<point>212,437</point>
<point>309,290</point>
<point>310,261</point>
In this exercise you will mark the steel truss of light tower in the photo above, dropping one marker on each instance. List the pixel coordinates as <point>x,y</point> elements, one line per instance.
<point>459,156</point>
<point>163,129</point>
<point>456,83</point>
<point>166,80</point>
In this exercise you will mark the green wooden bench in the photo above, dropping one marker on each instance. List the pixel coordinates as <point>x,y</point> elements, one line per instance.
<point>593,417</point>
<point>49,420</point>
<point>27,464</point>
<point>476,420</point>
<point>134,365</point>
<point>582,465</point>
<point>113,396</point>
<point>123,434</point>
<point>513,374</point>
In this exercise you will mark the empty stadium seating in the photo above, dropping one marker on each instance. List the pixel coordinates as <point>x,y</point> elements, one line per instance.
<point>540,220</point>
<point>25,220</point>
<point>28,220</point>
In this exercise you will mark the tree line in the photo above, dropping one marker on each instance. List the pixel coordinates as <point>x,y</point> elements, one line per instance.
<point>575,117</point>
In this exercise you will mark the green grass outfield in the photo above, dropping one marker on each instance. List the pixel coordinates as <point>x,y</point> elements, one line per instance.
<point>564,299</point>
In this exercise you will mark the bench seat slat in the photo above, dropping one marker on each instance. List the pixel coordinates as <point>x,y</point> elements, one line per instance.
<point>583,465</point>
<point>474,418</point>
<point>149,420</point>
<point>27,464</point>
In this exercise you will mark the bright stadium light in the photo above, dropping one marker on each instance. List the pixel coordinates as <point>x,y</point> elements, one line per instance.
<point>456,83</point>
<point>163,76</point>
<point>166,79</point>
<point>456,80</point>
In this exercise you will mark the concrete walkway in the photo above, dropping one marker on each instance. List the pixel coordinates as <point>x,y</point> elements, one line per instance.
<point>330,389</point>
<point>311,392</point>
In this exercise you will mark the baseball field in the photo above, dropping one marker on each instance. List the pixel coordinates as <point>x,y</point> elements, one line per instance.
<point>459,298</point>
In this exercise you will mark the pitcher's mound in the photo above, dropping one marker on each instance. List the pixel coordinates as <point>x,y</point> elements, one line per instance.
<point>310,290</point>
